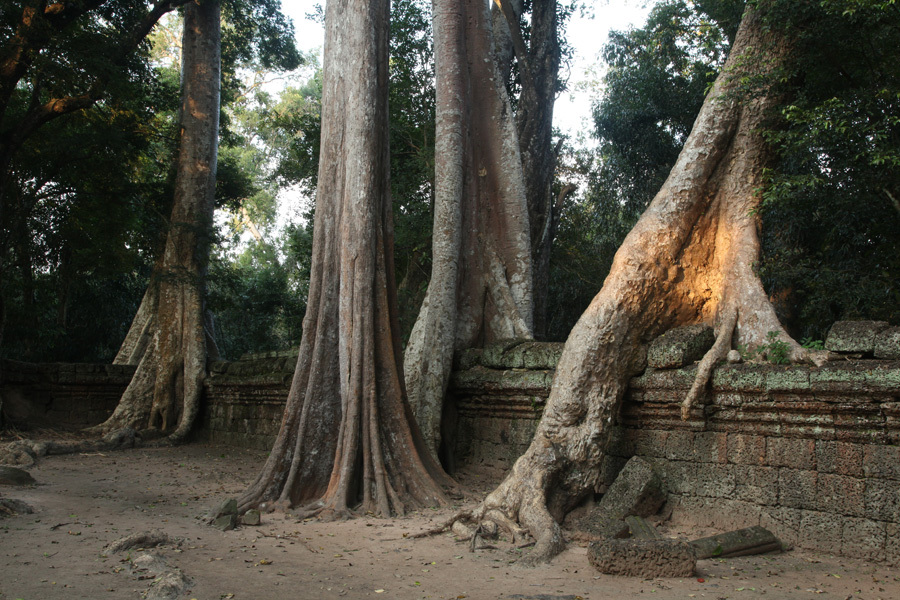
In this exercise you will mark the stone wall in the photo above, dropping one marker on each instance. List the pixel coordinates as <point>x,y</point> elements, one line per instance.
<point>813,454</point>
<point>244,400</point>
<point>61,395</point>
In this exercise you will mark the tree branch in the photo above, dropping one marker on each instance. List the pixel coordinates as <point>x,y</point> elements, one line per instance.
<point>515,31</point>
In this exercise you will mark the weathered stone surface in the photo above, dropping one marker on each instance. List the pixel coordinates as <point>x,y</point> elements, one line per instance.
<point>638,490</point>
<point>225,522</point>
<point>251,517</point>
<point>887,344</point>
<point>751,540</point>
<point>11,506</point>
<point>15,476</point>
<point>643,558</point>
<point>854,336</point>
<point>680,347</point>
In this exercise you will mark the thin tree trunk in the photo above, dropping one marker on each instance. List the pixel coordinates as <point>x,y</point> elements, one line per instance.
<point>348,439</point>
<point>481,285</point>
<point>689,259</point>
<point>167,339</point>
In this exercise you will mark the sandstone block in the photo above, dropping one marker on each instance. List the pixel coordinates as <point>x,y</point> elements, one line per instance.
<point>643,558</point>
<point>887,344</point>
<point>680,347</point>
<point>854,336</point>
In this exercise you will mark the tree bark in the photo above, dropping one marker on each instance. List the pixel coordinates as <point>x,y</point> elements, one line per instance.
<point>481,284</point>
<point>348,439</point>
<point>538,65</point>
<point>689,259</point>
<point>167,337</point>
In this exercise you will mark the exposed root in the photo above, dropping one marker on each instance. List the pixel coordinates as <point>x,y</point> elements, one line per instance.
<point>708,363</point>
<point>142,539</point>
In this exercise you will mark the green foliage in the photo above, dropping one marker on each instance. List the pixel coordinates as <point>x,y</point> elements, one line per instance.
<point>831,220</point>
<point>775,350</point>
<point>657,78</point>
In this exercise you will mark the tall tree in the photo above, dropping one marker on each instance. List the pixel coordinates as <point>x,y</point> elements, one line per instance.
<point>348,437</point>
<point>481,283</point>
<point>536,71</point>
<point>689,259</point>
<point>167,339</point>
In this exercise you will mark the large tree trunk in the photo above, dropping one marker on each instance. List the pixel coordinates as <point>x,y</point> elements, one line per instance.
<point>481,285</point>
<point>689,259</point>
<point>538,66</point>
<point>167,337</point>
<point>348,437</point>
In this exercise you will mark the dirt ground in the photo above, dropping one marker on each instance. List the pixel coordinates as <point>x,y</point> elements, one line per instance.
<point>84,502</point>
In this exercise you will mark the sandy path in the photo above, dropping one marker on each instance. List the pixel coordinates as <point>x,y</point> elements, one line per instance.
<point>85,502</point>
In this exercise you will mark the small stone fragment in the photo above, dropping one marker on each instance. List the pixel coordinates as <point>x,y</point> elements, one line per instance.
<point>680,347</point>
<point>15,476</point>
<point>733,357</point>
<point>643,558</point>
<point>9,506</point>
<point>251,517</point>
<point>225,522</point>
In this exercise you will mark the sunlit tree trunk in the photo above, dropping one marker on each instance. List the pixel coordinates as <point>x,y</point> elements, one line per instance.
<point>689,259</point>
<point>348,440</point>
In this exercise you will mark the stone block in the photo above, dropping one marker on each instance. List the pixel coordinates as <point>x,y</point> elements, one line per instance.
<point>791,452</point>
<point>892,543</point>
<point>882,500</point>
<point>821,531</point>
<point>794,378</point>
<point>710,446</point>
<point>758,485</point>
<point>680,476</point>
<point>650,443</point>
<point>744,449</point>
<point>715,481</point>
<point>739,378</point>
<point>680,347</point>
<point>887,344</point>
<point>797,489</point>
<point>882,461</point>
<point>643,558</point>
<point>680,445</point>
<point>841,495</point>
<point>638,490</point>
<point>839,457</point>
<point>863,538</point>
<point>610,469</point>
<point>854,336</point>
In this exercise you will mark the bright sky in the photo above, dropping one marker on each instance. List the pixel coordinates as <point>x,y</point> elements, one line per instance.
<point>586,33</point>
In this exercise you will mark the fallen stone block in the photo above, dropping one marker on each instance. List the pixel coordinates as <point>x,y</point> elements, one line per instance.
<point>643,558</point>
<point>680,347</point>
<point>251,517</point>
<point>637,491</point>
<point>641,528</point>
<point>741,542</point>
<point>854,336</point>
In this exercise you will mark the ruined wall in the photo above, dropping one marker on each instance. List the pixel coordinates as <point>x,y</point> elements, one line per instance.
<point>811,453</point>
<point>60,395</point>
